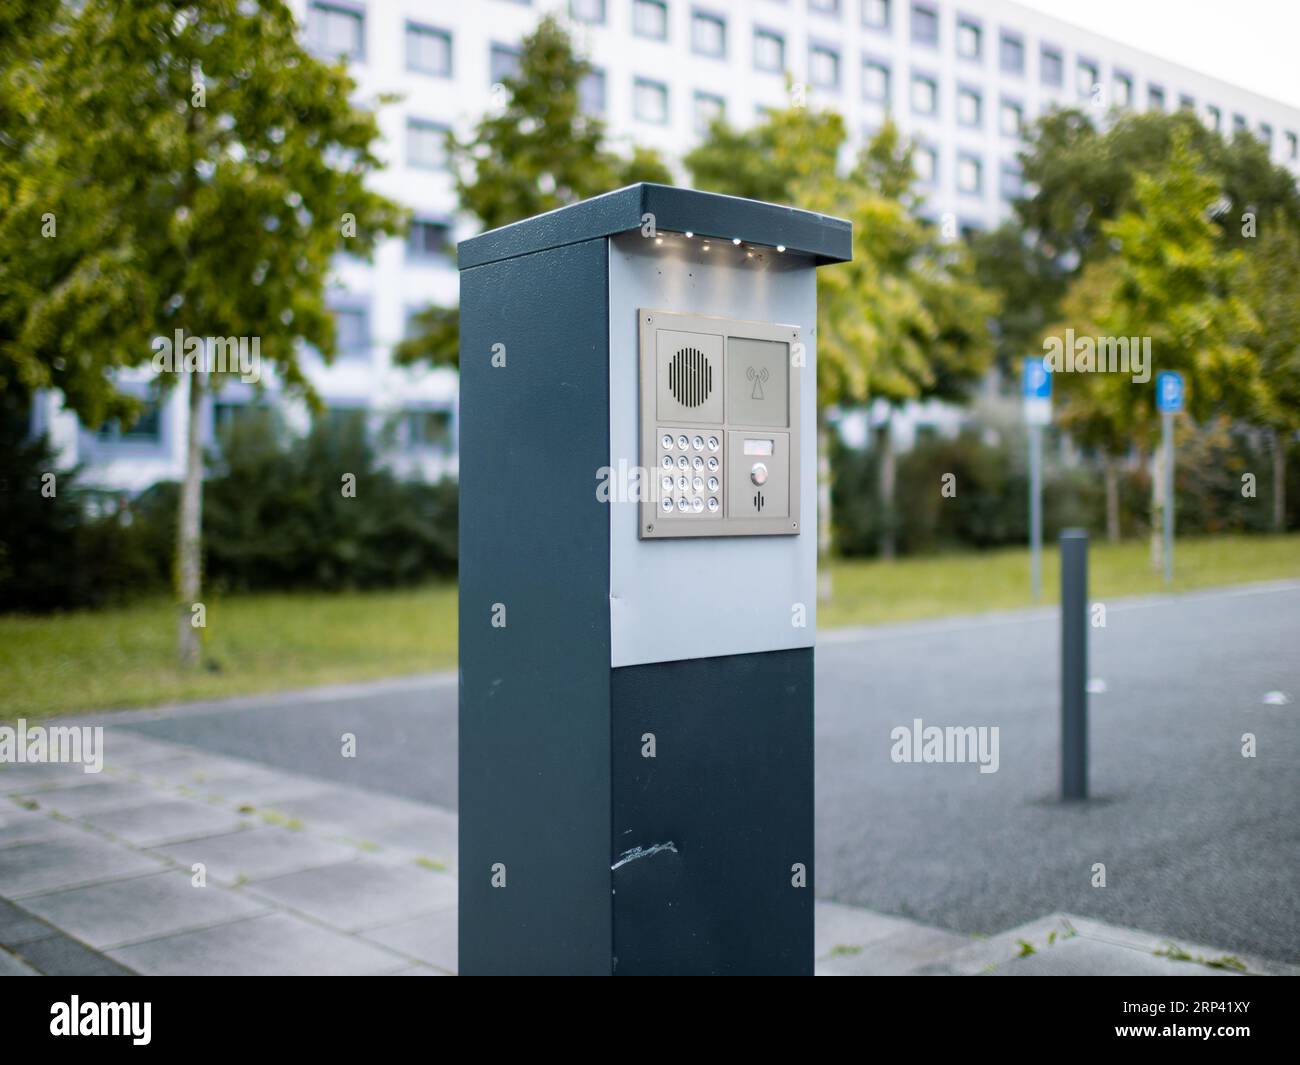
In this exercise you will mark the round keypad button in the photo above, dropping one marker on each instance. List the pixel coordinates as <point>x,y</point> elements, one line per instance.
<point>713,464</point>
<point>666,462</point>
<point>667,505</point>
<point>683,504</point>
<point>667,442</point>
<point>713,505</point>
<point>713,484</point>
<point>683,463</point>
<point>698,443</point>
<point>697,504</point>
<point>697,463</point>
<point>683,443</point>
<point>713,443</point>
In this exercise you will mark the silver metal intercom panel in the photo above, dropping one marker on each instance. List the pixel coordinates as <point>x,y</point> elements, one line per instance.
<point>719,426</point>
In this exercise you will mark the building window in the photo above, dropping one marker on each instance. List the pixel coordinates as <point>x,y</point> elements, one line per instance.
<point>650,19</point>
<point>1085,77</point>
<point>428,240</point>
<point>709,108</point>
<point>1292,146</point>
<point>1011,119</point>
<point>1123,90</point>
<point>427,429</point>
<point>1010,183</point>
<point>1011,53</point>
<point>1214,117</point>
<point>875,14</point>
<point>769,51</point>
<point>970,175</point>
<point>503,62</point>
<point>925,94</point>
<point>588,10</point>
<point>1266,135</point>
<point>824,66</point>
<point>824,7</point>
<point>925,25</point>
<point>1186,103</point>
<point>970,39</point>
<point>426,144</point>
<point>351,331</point>
<point>708,35</point>
<point>336,31</point>
<point>969,107</point>
<point>1238,123</point>
<point>146,429</point>
<point>1051,67</point>
<point>875,81</point>
<point>925,161</point>
<point>1155,98</point>
<point>650,101</point>
<point>428,51</point>
<point>591,93</point>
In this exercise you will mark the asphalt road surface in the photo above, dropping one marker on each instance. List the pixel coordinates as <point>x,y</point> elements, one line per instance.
<point>1197,841</point>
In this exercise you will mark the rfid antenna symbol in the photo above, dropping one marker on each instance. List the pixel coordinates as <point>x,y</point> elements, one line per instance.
<point>758,377</point>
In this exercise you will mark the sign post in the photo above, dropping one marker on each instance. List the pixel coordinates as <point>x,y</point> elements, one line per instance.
<point>1169,401</point>
<point>1037,387</point>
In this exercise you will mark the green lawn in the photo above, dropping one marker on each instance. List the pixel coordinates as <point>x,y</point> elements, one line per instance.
<point>124,657</point>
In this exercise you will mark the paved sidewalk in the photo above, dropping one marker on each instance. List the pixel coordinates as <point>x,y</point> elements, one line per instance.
<point>174,861</point>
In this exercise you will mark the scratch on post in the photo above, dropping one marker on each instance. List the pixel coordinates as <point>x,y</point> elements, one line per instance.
<point>643,852</point>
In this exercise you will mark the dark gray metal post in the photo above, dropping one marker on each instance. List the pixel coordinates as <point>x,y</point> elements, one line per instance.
<point>1074,664</point>
<point>1036,511</point>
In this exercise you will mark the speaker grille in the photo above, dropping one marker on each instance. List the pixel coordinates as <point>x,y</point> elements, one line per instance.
<point>690,377</point>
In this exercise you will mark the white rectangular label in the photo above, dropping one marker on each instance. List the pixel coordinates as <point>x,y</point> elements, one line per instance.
<point>758,447</point>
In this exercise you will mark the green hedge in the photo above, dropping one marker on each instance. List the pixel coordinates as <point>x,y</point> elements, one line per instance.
<point>274,517</point>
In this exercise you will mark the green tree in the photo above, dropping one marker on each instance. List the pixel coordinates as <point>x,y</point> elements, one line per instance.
<point>1079,176</point>
<point>1170,279</point>
<point>540,150</point>
<point>906,319</point>
<point>167,167</point>
<point>1271,288</point>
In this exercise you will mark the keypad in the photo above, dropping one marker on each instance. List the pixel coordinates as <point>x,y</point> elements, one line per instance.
<point>691,478</point>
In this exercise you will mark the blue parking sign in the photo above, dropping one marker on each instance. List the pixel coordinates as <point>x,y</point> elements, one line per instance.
<point>1036,382</point>
<point>1169,392</point>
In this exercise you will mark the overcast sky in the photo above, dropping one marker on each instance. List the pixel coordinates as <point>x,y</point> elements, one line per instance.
<point>1251,43</point>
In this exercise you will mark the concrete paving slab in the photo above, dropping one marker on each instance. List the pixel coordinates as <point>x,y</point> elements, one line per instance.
<point>11,966</point>
<point>261,946</point>
<point>260,788</point>
<point>359,895</point>
<point>20,777</point>
<point>29,830</point>
<point>351,811</point>
<point>58,955</point>
<point>1089,957</point>
<point>147,907</point>
<point>432,938</point>
<point>258,853</point>
<point>96,795</point>
<point>32,868</point>
<point>17,926</point>
<point>901,953</point>
<point>169,821</point>
<point>433,833</point>
<point>839,926</point>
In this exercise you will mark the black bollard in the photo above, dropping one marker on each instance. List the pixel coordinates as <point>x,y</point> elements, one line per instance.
<point>1074,664</point>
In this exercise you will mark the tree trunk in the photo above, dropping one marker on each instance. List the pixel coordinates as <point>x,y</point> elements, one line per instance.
<point>823,510</point>
<point>888,470</point>
<point>1110,465</point>
<point>1279,481</point>
<point>189,526</point>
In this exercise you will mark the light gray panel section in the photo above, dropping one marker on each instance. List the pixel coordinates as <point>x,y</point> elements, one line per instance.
<point>700,598</point>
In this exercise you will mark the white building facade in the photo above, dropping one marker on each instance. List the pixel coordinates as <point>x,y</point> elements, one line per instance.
<point>960,77</point>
